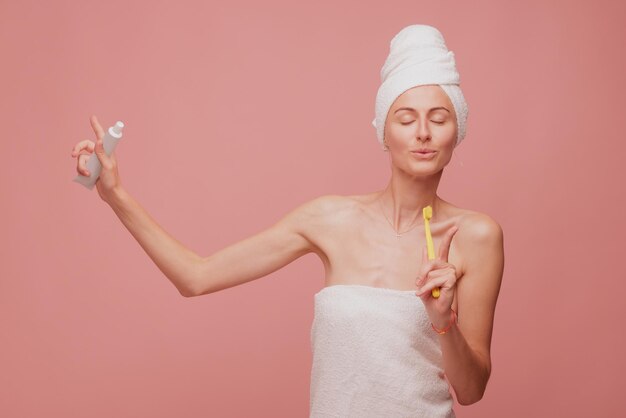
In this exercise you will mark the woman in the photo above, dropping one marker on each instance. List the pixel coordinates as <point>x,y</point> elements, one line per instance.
<point>378,350</point>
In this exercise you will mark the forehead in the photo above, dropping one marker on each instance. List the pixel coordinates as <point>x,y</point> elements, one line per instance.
<point>423,97</point>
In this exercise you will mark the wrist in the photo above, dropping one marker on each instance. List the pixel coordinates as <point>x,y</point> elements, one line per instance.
<point>444,325</point>
<point>116,196</point>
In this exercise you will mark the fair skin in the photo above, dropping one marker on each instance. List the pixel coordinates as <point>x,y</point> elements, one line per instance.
<point>355,238</point>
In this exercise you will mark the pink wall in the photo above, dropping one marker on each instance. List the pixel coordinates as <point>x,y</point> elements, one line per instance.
<point>230,107</point>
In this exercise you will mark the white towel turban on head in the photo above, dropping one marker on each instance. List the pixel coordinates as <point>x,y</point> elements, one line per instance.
<point>418,56</point>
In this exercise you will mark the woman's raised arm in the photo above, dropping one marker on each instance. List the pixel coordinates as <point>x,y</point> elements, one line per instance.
<point>262,253</point>
<point>190,273</point>
<point>176,261</point>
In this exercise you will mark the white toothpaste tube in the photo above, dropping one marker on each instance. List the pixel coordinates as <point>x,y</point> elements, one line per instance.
<point>110,140</point>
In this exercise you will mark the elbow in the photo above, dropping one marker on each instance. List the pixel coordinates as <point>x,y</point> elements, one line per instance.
<point>185,288</point>
<point>187,293</point>
<point>470,400</point>
<point>189,288</point>
<point>478,393</point>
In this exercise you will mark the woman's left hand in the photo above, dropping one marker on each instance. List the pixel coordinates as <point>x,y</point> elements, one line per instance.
<point>438,273</point>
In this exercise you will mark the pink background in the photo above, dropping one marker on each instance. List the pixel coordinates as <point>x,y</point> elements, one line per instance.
<point>237,112</point>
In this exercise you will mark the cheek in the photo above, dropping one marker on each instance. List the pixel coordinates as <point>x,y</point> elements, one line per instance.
<point>403,133</point>
<point>448,129</point>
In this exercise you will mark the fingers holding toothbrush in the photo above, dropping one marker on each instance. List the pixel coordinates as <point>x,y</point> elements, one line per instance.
<point>438,273</point>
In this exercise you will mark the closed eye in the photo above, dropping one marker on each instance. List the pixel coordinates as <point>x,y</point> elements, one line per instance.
<point>434,121</point>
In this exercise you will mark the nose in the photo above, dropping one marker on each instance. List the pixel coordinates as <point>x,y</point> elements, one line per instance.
<point>423,134</point>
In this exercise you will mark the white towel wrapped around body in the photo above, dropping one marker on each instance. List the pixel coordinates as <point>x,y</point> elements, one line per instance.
<point>375,355</point>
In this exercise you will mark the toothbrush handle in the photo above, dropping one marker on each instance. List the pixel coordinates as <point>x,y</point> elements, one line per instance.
<point>436,292</point>
<point>429,241</point>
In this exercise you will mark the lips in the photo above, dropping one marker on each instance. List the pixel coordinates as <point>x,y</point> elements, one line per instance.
<point>424,154</point>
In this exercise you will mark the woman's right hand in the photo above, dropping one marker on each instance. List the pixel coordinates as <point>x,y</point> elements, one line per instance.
<point>108,181</point>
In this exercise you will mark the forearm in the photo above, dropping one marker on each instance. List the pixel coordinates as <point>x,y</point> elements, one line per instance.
<point>178,263</point>
<point>465,369</point>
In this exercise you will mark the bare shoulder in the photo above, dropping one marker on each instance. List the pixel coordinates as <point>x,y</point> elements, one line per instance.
<point>317,215</point>
<point>322,208</point>
<point>329,203</point>
<point>320,205</point>
<point>478,227</point>
<point>479,236</point>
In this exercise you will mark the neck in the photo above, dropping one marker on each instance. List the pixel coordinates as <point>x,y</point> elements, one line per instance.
<point>404,198</point>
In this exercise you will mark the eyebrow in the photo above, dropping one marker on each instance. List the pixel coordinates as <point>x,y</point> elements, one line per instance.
<point>413,110</point>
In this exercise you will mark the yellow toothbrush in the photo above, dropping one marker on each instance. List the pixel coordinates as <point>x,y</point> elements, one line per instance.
<point>428,213</point>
